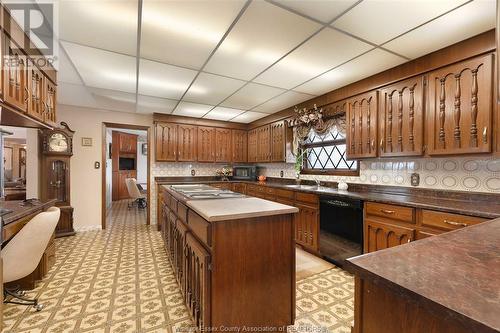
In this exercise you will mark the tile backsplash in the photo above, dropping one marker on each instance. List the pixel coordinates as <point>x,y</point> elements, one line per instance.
<point>451,173</point>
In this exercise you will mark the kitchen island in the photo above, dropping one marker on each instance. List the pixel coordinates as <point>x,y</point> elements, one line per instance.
<point>233,257</point>
<point>446,283</point>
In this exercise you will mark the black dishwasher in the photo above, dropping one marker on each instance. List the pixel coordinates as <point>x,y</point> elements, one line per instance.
<point>341,229</point>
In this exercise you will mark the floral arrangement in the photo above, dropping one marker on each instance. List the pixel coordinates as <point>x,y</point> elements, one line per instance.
<point>306,116</point>
<point>224,172</point>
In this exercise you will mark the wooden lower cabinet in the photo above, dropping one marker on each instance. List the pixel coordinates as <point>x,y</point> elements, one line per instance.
<point>307,226</point>
<point>379,235</point>
<point>65,225</point>
<point>197,283</point>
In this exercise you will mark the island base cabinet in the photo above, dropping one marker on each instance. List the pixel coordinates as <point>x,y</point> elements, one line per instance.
<point>377,309</point>
<point>307,227</point>
<point>197,282</point>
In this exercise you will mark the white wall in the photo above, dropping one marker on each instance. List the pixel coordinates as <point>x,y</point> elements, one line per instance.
<point>109,171</point>
<point>32,164</point>
<point>85,180</point>
<point>142,164</point>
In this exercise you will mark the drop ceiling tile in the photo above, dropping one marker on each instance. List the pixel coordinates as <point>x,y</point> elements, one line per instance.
<point>324,51</point>
<point>103,69</point>
<point>283,101</point>
<point>189,30</point>
<point>364,66</point>
<point>262,35</point>
<point>113,100</point>
<point>467,21</point>
<point>251,95</point>
<point>321,10</point>
<point>364,20</point>
<point>74,94</point>
<point>212,89</point>
<point>192,109</point>
<point>161,80</point>
<point>109,25</point>
<point>148,104</point>
<point>221,113</point>
<point>248,117</point>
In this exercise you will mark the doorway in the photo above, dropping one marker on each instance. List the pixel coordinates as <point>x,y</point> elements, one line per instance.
<point>125,154</point>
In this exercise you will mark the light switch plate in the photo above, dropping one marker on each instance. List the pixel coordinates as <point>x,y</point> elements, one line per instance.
<point>415,179</point>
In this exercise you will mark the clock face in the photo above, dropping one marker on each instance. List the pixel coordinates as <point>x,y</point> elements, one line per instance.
<point>58,143</point>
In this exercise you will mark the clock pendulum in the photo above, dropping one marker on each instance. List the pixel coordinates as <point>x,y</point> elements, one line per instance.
<point>57,149</point>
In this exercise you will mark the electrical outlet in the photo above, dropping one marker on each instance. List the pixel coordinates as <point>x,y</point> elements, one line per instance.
<point>415,179</point>
<point>281,173</point>
<point>97,165</point>
<point>193,172</point>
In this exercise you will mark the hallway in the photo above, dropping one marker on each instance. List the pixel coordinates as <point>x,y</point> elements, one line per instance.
<point>119,280</point>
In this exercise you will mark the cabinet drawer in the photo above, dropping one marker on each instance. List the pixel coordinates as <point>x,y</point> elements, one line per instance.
<point>400,213</point>
<point>306,197</point>
<point>200,227</point>
<point>448,221</point>
<point>284,194</point>
<point>182,212</point>
<point>269,190</point>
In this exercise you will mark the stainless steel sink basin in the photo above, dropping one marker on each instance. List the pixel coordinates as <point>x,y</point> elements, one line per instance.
<point>201,191</point>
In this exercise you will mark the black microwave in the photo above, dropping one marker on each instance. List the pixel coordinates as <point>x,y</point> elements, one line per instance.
<point>245,172</point>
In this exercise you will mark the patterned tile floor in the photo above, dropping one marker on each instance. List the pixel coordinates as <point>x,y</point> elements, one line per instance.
<point>119,280</point>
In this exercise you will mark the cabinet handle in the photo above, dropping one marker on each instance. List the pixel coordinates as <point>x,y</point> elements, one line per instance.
<point>373,144</point>
<point>460,224</point>
<point>409,240</point>
<point>485,134</point>
<point>386,211</point>
<point>424,148</point>
<point>381,144</point>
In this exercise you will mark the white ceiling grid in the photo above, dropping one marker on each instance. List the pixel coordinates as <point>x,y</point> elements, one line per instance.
<point>240,60</point>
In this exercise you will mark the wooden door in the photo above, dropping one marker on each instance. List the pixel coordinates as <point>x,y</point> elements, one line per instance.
<point>36,107</point>
<point>401,118</point>
<point>240,146</point>
<point>223,145</point>
<point>206,144</point>
<point>460,108</point>
<point>278,141</point>
<point>264,144</point>
<point>362,126</point>
<point>197,292</point>
<point>252,145</point>
<point>49,101</point>
<point>307,226</point>
<point>166,142</point>
<point>379,235</point>
<point>15,86</point>
<point>186,143</point>
<point>132,139</point>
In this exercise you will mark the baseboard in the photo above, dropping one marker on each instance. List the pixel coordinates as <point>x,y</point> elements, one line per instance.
<point>88,228</point>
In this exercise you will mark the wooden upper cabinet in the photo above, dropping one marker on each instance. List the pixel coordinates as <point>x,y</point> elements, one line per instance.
<point>239,146</point>
<point>278,141</point>
<point>49,101</point>
<point>206,144</point>
<point>460,108</point>
<point>16,92</point>
<point>264,144</point>
<point>401,118</point>
<point>36,82</point>
<point>166,142</point>
<point>223,145</point>
<point>362,126</point>
<point>252,145</point>
<point>186,143</point>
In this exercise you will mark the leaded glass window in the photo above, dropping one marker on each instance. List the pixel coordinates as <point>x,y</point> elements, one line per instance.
<point>326,153</point>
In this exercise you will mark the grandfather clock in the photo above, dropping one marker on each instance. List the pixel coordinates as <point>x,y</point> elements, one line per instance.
<point>57,149</point>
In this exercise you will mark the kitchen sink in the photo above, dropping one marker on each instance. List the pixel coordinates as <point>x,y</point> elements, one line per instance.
<point>201,191</point>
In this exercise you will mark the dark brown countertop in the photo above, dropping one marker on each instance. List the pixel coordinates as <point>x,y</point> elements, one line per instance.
<point>454,274</point>
<point>466,203</point>
<point>19,211</point>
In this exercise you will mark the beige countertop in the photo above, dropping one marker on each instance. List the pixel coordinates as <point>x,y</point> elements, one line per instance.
<point>214,210</point>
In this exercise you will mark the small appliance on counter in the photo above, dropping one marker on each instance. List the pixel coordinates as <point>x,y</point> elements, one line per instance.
<point>244,172</point>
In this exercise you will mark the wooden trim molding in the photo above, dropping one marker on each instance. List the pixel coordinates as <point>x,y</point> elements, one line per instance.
<point>166,118</point>
<point>105,125</point>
